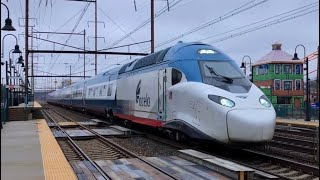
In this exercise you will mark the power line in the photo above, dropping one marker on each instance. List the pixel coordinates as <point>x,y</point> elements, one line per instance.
<point>74,28</point>
<point>233,12</point>
<point>118,26</point>
<point>251,24</point>
<point>277,21</point>
<point>160,12</point>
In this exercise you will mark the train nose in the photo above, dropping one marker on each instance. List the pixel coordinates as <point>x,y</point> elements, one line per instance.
<point>254,125</point>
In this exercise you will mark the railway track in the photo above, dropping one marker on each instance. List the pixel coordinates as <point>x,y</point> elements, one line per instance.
<point>91,150</point>
<point>300,144</point>
<point>265,164</point>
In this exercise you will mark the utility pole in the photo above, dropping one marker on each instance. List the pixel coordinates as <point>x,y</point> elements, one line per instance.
<point>308,90</point>
<point>318,77</point>
<point>84,54</point>
<point>70,75</point>
<point>32,79</point>
<point>26,51</point>
<point>152,26</point>
<point>95,37</point>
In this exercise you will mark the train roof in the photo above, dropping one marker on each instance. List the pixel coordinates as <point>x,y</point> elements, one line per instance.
<point>181,50</point>
<point>169,54</point>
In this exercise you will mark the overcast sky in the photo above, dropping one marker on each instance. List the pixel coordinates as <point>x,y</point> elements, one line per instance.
<point>118,19</point>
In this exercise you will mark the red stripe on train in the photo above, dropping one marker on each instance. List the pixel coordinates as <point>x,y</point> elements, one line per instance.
<point>145,121</point>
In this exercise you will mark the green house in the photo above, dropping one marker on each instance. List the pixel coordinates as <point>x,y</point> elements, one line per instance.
<point>280,77</point>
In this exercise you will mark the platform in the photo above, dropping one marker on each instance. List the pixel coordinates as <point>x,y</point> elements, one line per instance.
<point>297,123</point>
<point>33,104</point>
<point>29,151</point>
<point>19,113</point>
<point>21,151</point>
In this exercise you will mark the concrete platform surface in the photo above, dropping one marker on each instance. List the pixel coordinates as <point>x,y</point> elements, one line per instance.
<point>21,151</point>
<point>297,122</point>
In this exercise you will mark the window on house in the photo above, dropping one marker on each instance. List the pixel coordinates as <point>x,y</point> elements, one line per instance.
<point>298,68</point>
<point>277,84</point>
<point>287,68</point>
<point>277,69</point>
<point>287,85</point>
<point>284,100</point>
<point>298,84</point>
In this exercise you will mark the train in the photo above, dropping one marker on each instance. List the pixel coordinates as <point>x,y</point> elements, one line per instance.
<point>190,89</point>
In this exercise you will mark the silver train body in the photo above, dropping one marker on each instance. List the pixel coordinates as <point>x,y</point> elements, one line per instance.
<point>190,88</point>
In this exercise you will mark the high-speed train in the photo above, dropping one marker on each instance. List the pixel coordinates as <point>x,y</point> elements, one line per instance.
<point>189,89</point>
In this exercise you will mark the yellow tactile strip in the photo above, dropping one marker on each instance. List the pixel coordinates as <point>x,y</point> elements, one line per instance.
<point>67,124</point>
<point>298,122</point>
<point>36,104</point>
<point>55,164</point>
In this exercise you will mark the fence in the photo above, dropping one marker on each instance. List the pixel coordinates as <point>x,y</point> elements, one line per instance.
<point>288,111</point>
<point>4,105</point>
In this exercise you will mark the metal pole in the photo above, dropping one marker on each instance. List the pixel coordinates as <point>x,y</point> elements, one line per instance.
<point>70,74</point>
<point>84,54</point>
<point>10,81</point>
<point>32,79</point>
<point>95,36</point>
<point>26,51</point>
<point>152,26</point>
<point>14,84</point>
<point>318,77</point>
<point>7,95</point>
<point>308,90</point>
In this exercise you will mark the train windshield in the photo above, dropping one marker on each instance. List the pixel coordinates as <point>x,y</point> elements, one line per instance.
<point>225,75</point>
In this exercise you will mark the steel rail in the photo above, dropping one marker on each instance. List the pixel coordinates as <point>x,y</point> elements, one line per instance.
<point>286,162</point>
<point>120,148</point>
<point>76,146</point>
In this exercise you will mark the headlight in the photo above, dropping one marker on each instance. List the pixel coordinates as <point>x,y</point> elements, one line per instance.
<point>222,100</point>
<point>264,101</point>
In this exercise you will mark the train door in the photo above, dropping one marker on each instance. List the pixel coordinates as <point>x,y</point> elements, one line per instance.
<point>162,82</point>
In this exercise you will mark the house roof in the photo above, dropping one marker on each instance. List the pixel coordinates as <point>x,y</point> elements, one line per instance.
<point>276,55</point>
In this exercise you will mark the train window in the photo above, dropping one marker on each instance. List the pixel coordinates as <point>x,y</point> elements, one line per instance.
<point>164,52</point>
<point>109,90</point>
<point>150,59</point>
<point>123,68</point>
<point>176,76</point>
<point>100,91</point>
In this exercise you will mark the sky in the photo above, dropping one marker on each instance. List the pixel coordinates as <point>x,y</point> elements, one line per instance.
<point>237,27</point>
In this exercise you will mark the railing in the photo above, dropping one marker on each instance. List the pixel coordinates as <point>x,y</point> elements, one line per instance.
<point>4,105</point>
<point>288,111</point>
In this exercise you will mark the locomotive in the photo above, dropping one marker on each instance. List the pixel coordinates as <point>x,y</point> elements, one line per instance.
<point>189,89</point>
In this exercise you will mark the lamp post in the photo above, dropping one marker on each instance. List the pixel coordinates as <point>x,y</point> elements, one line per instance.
<point>14,96</point>
<point>16,47</point>
<point>307,76</point>
<point>8,22</point>
<point>243,65</point>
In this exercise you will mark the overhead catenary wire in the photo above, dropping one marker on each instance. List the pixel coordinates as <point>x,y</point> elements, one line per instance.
<point>261,21</point>
<point>277,21</point>
<point>160,12</point>
<point>74,28</point>
<point>118,26</point>
<point>231,13</point>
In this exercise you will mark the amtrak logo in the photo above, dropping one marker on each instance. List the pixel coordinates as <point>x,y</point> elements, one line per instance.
<point>142,101</point>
